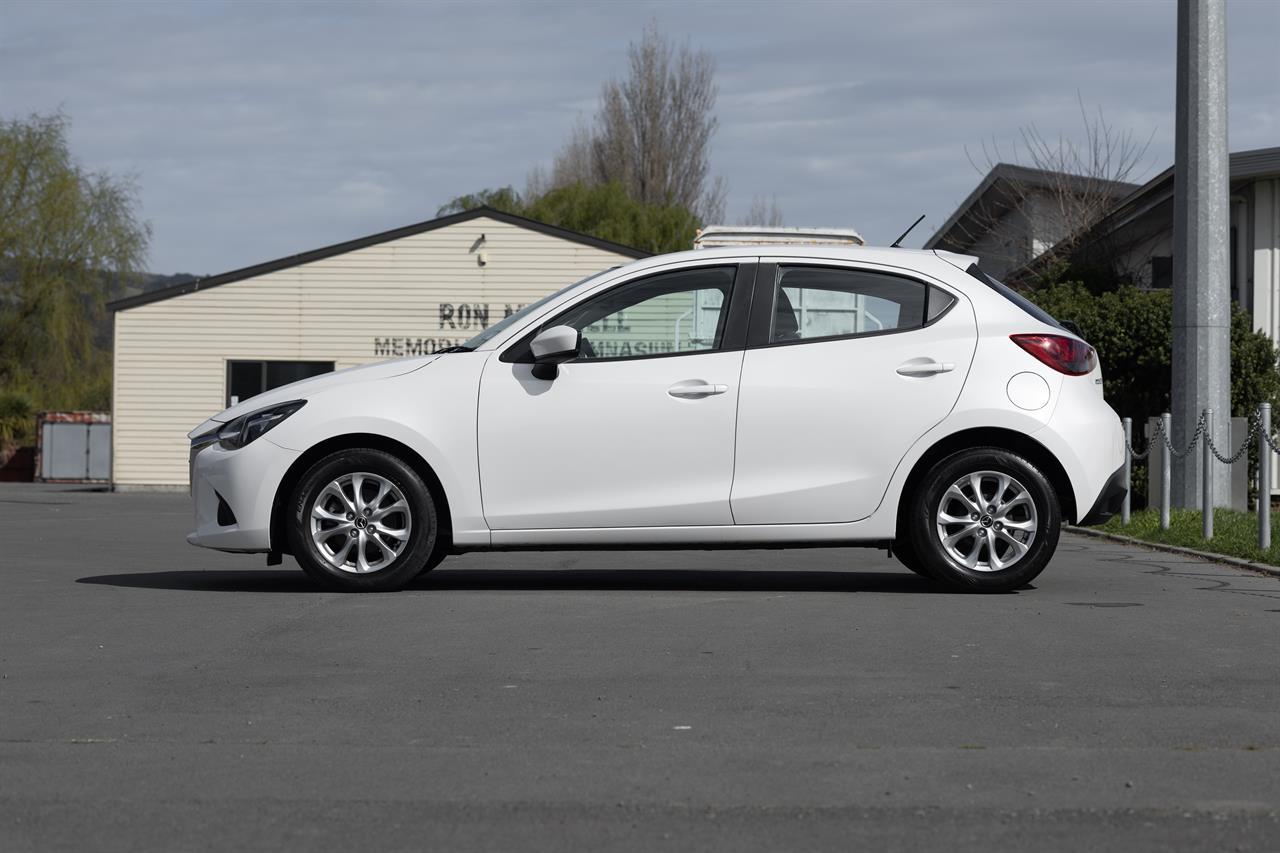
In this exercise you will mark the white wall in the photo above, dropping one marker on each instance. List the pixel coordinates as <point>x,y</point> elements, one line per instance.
<point>366,305</point>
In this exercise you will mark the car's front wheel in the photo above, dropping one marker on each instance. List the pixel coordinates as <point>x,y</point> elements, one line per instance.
<point>985,519</point>
<point>363,521</point>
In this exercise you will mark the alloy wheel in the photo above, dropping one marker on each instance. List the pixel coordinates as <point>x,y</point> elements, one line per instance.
<point>986,521</point>
<point>360,522</point>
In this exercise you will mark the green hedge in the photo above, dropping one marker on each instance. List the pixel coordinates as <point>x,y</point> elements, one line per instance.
<point>1132,330</point>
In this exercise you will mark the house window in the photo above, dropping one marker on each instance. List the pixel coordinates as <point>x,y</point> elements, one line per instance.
<point>247,379</point>
<point>1162,271</point>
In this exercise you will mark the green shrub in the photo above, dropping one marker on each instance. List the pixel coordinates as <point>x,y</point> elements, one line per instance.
<point>601,210</point>
<point>1132,330</point>
<point>17,420</point>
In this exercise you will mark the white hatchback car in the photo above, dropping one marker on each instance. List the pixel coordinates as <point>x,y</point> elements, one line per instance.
<point>726,398</point>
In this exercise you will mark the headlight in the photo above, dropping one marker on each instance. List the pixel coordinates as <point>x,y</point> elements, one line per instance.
<point>244,429</point>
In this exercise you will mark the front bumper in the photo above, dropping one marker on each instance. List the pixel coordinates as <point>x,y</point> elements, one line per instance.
<point>234,492</point>
<point>1109,501</point>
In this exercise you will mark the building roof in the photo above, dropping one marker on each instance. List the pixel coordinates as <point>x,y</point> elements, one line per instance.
<point>1145,200</point>
<point>372,240</point>
<point>997,193</point>
<point>1242,165</point>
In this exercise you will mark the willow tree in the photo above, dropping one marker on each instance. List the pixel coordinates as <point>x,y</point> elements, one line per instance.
<point>67,234</point>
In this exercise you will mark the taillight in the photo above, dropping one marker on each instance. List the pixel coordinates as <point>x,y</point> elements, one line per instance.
<point>1064,354</point>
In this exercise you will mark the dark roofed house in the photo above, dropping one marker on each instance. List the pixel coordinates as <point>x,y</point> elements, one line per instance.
<point>1016,213</point>
<point>1139,234</point>
<point>1012,231</point>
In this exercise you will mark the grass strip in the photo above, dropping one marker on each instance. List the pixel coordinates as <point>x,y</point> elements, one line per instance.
<point>1235,533</point>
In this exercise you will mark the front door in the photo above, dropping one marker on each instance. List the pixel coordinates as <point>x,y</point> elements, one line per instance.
<point>846,369</point>
<point>638,431</point>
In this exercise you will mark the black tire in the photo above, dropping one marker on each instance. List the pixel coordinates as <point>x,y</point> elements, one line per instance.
<point>989,530</point>
<point>419,550</point>
<point>436,558</point>
<point>905,551</point>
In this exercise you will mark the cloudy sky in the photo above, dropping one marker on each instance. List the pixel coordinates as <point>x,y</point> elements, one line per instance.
<point>259,130</point>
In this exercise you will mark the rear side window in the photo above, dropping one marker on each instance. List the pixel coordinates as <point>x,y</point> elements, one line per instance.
<point>827,302</point>
<point>1013,296</point>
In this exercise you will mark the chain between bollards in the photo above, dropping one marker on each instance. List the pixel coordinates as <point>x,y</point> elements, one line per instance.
<point>1259,430</point>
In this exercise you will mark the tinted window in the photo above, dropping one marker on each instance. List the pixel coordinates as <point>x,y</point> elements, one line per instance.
<point>1013,296</point>
<point>677,312</point>
<point>939,302</point>
<point>824,302</point>
<point>512,319</point>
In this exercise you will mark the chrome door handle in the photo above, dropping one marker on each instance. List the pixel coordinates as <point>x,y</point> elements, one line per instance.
<point>926,368</point>
<point>695,389</point>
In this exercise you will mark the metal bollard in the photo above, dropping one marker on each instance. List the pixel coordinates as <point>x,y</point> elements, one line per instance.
<point>1128,470</point>
<point>1166,472</point>
<point>1152,434</point>
<point>1264,477</point>
<point>1206,479</point>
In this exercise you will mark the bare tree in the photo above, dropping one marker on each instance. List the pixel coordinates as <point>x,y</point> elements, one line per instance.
<point>1050,192</point>
<point>764,213</point>
<point>652,132</point>
<point>575,163</point>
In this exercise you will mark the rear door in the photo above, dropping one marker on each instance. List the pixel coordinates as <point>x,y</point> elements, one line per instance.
<point>846,368</point>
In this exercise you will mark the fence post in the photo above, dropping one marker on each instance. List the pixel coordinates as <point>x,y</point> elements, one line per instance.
<point>1264,477</point>
<point>1153,462</point>
<point>1166,474</point>
<point>1206,478</point>
<point>1128,470</point>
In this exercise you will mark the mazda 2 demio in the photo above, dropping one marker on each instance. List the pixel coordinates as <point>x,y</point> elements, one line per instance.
<point>719,398</point>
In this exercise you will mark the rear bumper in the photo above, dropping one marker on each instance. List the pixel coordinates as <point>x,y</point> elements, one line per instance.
<point>1109,500</point>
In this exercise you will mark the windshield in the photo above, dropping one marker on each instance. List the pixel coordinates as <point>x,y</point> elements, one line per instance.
<point>509,321</point>
<point>1014,296</point>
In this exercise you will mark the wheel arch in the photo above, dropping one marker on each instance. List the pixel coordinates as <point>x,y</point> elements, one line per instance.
<point>354,441</point>
<point>1007,439</point>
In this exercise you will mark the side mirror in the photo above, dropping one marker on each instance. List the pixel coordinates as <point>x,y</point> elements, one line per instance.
<point>551,348</point>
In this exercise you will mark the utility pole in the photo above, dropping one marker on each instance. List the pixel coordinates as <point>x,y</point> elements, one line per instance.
<point>1201,244</point>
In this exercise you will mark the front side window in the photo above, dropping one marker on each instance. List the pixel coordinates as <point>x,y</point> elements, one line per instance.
<point>666,314</point>
<point>510,320</point>
<point>826,302</point>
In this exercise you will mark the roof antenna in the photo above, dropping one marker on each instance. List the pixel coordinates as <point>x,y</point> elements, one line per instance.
<point>897,244</point>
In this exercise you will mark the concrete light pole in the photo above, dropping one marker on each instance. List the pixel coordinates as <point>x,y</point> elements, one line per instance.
<point>1201,244</point>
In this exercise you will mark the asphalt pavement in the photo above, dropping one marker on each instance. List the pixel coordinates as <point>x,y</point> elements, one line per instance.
<point>156,696</point>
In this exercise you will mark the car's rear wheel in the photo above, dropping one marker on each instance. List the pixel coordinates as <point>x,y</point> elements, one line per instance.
<point>985,519</point>
<point>904,549</point>
<point>363,521</point>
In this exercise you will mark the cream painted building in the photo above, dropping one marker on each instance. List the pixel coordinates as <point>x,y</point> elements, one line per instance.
<point>186,352</point>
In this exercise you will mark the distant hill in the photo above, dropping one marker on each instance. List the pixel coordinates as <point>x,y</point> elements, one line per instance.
<point>144,282</point>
